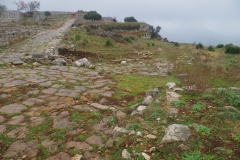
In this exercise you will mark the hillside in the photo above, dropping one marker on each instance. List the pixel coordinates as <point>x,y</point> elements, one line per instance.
<point>139,99</point>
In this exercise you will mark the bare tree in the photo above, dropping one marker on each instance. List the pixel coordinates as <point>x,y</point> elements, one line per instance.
<point>32,7</point>
<point>21,5</point>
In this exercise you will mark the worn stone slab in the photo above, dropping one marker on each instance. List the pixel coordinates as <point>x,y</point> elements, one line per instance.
<point>80,88</point>
<point>18,133</point>
<point>84,107</point>
<point>20,148</point>
<point>102,107</point>
<point>2,129</point>
<point>16,120</point>
<point>45,84</point>
<point>36,120</point>
<point>2,119</point>
<point>49,91</point>
<point>91,73</point>
<point>32,101</point>
<point>17,62</point>
<point>14,83</point>
<point>95,140</point>
<point>67,93</point>
<point>77,145</point>
<point>60,156</point>
<point>12,108</point>
<point>62,123</point>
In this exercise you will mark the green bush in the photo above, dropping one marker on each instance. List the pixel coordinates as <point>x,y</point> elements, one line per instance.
<point>220,46</point>
<point>230,49</point>
<point>176,44</point>
<point>199,46</point>
<point>128,39</point>
<point>108,43</point>
<point>210,48</point>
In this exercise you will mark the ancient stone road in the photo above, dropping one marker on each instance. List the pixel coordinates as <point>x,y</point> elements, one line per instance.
<point>14,53</point>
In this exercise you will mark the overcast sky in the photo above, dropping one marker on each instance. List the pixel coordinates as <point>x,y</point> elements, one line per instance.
<point>205,21</point>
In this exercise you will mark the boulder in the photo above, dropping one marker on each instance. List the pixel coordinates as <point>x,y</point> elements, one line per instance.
<point>172,96</point>
<point>125,154</point>
<point>82,62</point>
<point>152,92</point>
<point>176,132</point>
<point>38,55</point>
<point>124,63</point>
<point>171,85</point>
<point>59,61</point>
<point>147,101</point>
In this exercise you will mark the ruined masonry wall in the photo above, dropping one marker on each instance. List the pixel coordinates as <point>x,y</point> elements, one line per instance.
<point>10,16</point>
<point>10,37</point>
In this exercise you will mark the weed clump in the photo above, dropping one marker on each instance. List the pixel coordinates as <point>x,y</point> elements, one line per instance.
<point>77,37</point>
<point>210,48</point>
<point>231,49</point>
<point>108,43</point>
<point>128,39</point>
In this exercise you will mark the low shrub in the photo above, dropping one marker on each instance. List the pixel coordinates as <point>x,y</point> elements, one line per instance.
<point>176,44</point>
<point>210,48</point>
<point>230,49</point>
<point>220,46</point>
<point>199,46</point>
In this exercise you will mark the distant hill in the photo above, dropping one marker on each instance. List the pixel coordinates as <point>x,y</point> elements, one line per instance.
<point>198,35</point>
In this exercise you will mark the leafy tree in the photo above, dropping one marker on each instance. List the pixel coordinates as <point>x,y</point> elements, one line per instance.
<point>47,14</point>
<point>130,19</point>
<point>155,31</point>
<point>92,15</point>
<point>3,8</point>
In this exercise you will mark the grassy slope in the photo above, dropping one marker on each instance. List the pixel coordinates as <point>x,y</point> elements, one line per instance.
<point>210,69</point>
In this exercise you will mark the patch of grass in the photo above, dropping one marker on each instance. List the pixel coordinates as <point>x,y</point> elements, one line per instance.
<point>112,122</point>
<point>75,117</point>
<point>44,152</point>
<point>198,106</point>
<point>81,137</point>
<point>132,85</point>
<point>178,103</point>
<point>156,113</point>
<point>128,39</point>
<point>133,127</point>
<point>5,140</point>
<point>201,129</point>
<point>59,135</point>
<point>77,37</point>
